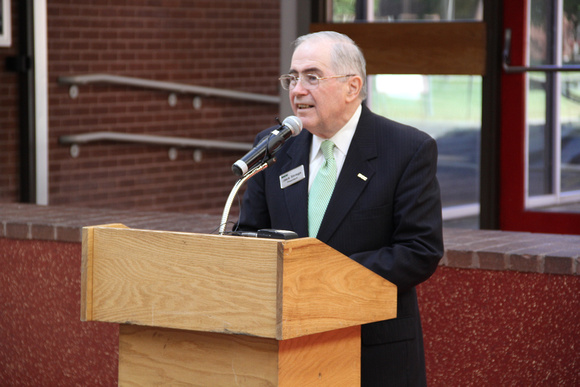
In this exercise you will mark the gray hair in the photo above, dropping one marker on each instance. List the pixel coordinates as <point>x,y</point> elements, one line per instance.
<point>346,56</point>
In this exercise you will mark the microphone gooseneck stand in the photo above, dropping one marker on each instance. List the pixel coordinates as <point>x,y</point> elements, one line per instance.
<point>257,169</point>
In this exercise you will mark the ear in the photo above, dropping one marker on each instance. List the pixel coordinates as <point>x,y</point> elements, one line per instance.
<point>354,87</point>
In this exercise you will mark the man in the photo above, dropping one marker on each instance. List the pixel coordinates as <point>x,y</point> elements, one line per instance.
<point>384,211</point>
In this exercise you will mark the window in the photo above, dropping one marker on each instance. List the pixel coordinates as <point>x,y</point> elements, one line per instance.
<point>406,10</point>
<point>553,108</point>
<point>448,107</point>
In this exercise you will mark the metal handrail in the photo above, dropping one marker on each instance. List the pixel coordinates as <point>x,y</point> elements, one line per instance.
<point>167,86</point>
<point>181,142</point>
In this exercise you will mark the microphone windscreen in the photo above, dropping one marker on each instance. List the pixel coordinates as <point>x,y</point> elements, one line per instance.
<point>294,123</point>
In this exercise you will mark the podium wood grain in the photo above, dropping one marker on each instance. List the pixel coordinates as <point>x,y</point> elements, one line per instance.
<point>159,356</point>
<point>260,287</point>
<point>184,281</point>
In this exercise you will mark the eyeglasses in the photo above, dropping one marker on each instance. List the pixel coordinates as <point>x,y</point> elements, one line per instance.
<point>309,81</point>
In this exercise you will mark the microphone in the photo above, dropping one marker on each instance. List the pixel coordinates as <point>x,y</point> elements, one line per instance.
<point>268,146</point>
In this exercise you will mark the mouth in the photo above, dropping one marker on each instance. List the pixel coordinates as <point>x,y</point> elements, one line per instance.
<point>302,106</point>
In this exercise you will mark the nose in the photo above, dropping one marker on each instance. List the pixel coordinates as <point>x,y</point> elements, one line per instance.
<point>299,89</point>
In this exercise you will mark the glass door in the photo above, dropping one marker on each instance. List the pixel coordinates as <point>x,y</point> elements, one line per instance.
<point>553,108</point>
<point>540,118</point>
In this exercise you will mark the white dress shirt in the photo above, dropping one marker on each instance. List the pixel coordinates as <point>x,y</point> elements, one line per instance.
<point>341,139</point>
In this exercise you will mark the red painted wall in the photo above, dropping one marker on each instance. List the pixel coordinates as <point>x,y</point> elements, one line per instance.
<point>481,327</point>
<point>494,328</point>
<point>43,341</point>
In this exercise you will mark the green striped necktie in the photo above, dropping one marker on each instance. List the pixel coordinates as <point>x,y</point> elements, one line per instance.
<point>321,189</point>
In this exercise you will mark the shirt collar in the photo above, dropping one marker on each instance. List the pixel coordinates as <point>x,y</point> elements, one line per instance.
<point>341,139</point>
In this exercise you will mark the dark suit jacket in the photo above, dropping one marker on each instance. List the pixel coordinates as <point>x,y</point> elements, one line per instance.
<point>385,213</point>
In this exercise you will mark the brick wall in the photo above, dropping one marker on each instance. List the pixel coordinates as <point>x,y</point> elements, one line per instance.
<point>221,43</point>
<point>464,249</point>
<point>9,100</point>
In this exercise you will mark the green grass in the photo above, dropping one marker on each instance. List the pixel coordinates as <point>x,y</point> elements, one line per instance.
<point>455,98</point>
<point>445,98</point>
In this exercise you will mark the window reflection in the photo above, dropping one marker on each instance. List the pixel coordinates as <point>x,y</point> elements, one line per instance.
<point>570,91</point>
<point>570,132</point>
<point>406,10</point>
<point>571,32</point>
<point>539,137</point>
<point>449,109</point>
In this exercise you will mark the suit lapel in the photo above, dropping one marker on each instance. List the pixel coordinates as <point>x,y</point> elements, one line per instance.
<point>357,171</point>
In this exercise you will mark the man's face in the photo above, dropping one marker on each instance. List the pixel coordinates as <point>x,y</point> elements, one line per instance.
<point>322,109</point>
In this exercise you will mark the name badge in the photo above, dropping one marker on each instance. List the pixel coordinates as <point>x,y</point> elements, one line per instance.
<point>292,177</point>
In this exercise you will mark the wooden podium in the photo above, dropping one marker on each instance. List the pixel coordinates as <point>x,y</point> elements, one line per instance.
<point>216,310</point>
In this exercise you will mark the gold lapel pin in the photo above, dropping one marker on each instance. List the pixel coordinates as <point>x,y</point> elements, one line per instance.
<point>362,177</point>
